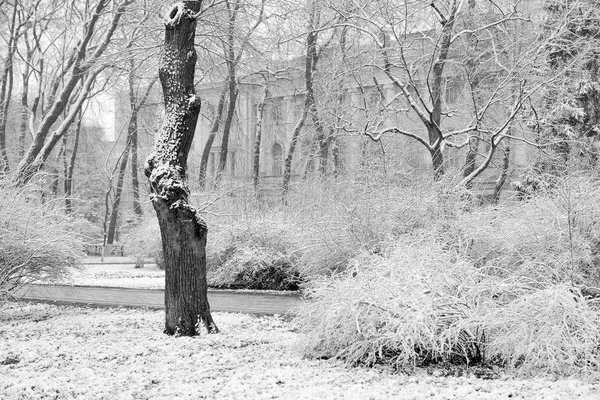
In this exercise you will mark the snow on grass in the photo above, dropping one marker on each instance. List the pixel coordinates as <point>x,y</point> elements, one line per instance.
<point>119,275</point>
<point>60,352</point>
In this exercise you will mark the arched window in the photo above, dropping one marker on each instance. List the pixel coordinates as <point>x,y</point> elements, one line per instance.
<point>277,157</point>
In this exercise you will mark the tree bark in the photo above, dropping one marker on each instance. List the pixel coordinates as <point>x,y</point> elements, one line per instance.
<point>6,89</point>
<point>309,70</point>
<point>135,182</point>
<point>233,87</point>
<point>71,168</point>
<point>24,111</point>
<point>183,231</point>
<point>132,135</point>
<point>436,93</point>
<point>471,157</point>
<point>131,142</point>
<point>227,130</point>
<point>114,213</point>
<point>503,174</point>
<point>257,140</point>
<point>211,136</point>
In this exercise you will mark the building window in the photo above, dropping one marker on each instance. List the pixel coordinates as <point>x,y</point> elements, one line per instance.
<point>277,111</point>
<point>277,156</point>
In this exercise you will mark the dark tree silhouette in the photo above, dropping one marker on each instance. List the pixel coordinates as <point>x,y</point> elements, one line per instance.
<point>182,230</point>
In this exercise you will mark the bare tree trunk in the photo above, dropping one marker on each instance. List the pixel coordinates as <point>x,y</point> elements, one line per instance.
<point>135,182</point>
<point>503,174</point>
<point>287,168</point>
<point>472,65</point>
<point>53,173</point>
<point>114,213</point>
<point>24,112</point>
<point>233,87</point>
<point>28,167</point>
<point>309,70</point>
<point>257,139</point>
<point>471,157</point>
<point>227,131</point>
<point>233,93</point>
<point>211,136</point>
<point>130,142</point>
<point>71,168</point>
<point>132,135</point>
<point>6,89</point>
<point>81,61</point>
<point>437,160</point>
<point>183,232</point>
<point>335,155</point>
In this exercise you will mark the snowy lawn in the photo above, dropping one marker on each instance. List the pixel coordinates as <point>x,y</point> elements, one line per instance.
<point>119,275</point>
<point>58,352</point>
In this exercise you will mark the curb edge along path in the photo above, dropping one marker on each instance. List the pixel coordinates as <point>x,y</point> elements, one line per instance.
<point>227,301</point>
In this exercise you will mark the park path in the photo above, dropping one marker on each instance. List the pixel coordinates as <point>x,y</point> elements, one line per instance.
<point>229,301</point>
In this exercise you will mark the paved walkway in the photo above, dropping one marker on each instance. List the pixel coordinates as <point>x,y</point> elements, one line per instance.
<point>230,301</point>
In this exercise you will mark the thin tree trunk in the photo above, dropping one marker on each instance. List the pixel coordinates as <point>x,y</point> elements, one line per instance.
<point>27,168</point>
<point>130,142</point>
<point>6,90</point>
<point>503,174</point>
<point>257,140</point>
<point>309,70</point>
<point>437,160</point>
<point>471,157</point>
<point>71,168</point>
<point>233,88</point>
<point>114,213</point>
<point>472,65</point>
<point>54,181</point>
<point>227,131</point>
<point>335,155</point>
<point>132,135</point>
<point>24,112</point>
<point>81,61</point>
<point>211,136</point>
<point>135,181</point>
<point>287,168</point>
<point>183,232</point>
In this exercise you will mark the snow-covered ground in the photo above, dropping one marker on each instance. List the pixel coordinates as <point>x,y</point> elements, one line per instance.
<point>57,352</point>
<point>119,275</point>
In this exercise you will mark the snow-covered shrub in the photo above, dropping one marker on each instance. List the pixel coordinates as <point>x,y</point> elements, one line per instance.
<point>421,303</point>
<point>144,241</point>
<point>415,305</point>
<point>343,219</point>
<point>38,242</point>
<point>553,236</point>
<point>255,253</point>
<point>554,330</point>
<point>256,268</point>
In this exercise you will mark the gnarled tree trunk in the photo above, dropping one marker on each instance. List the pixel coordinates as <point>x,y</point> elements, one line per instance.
<point>182,230</point>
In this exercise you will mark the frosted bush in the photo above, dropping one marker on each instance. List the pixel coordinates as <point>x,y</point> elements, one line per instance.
<point>38,242</point>
<point>421,303</point>
<point>413,306</point>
